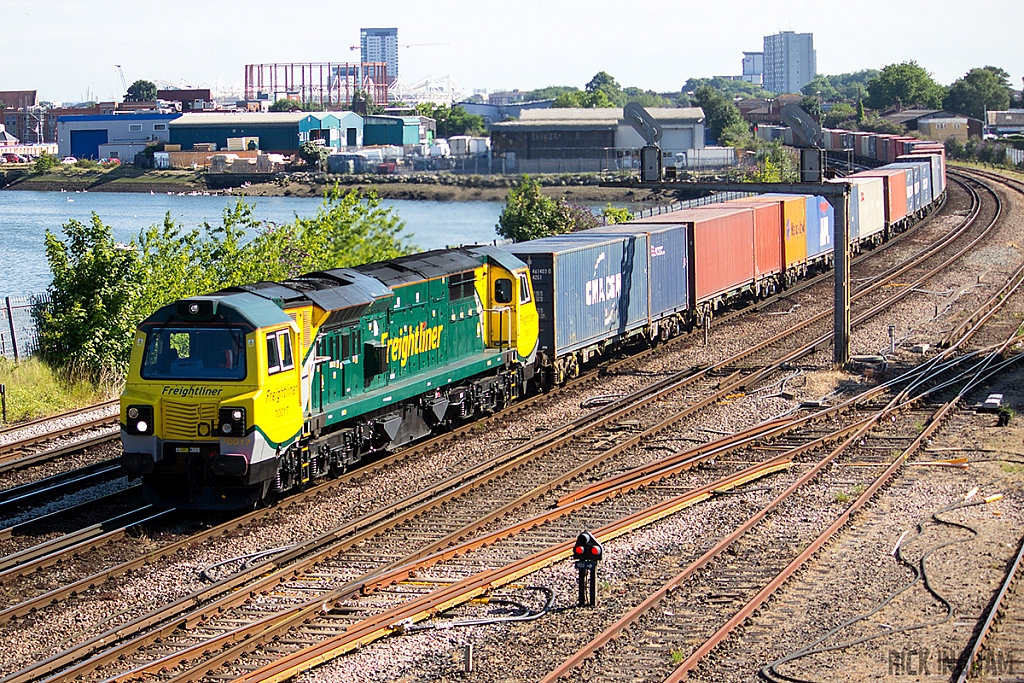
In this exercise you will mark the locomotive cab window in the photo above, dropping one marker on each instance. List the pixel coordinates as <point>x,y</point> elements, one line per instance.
<point>183,353</point>
<point>503,291</point>
<point>279,352</point>
<point>524,288</point>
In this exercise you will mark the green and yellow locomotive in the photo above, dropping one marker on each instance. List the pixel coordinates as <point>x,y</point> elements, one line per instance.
<point>237,396</point>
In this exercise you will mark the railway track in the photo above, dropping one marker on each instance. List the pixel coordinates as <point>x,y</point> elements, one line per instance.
<point>574,386</point>
<point>58,664</point>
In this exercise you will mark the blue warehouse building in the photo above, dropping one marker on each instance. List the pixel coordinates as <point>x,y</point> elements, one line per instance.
<point>111,135</point>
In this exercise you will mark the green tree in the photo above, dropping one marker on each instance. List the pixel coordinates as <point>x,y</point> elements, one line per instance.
<point>860,111</point>
<point>981,90</point>
<point>873,123</point>
<point>775,164</point>
<point>452,120</point>
<point>364,97</point>
<point>848,87</point>
<point>314,154</point>
<point>812,105</point>
<point>141,91</point>
<point>585,100</point>
<point>646,98</point>
<point>737,134</point>
<point>548,93</point>
<point>719,112</point>
<point>528,214</point>
<point>602,82</point>
<point>284,104</point>
<point>90,319</point>
<point>614,215</point>
<point>907,84</point>
<point>45,162</point>
<point>839,114</point>
<point>729,88</point>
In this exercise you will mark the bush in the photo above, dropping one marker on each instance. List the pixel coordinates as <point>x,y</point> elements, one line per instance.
<point>45,163</point>
<point>530,215</point>
<point>101,290</point>
<point>614,215</point>
<point>90,319</point>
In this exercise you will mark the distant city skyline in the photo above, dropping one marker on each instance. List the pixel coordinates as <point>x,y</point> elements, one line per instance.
<point>67,50</point>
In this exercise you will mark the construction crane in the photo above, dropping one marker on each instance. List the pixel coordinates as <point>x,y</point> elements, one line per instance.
<point>121,73</point>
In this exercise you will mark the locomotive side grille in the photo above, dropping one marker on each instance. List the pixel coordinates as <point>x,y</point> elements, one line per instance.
<point>182,420</point>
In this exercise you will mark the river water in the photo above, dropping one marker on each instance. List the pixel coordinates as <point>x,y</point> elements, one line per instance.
<point>26,216</point>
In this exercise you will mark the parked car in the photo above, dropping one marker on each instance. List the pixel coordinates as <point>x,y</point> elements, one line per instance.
<point>12,158</point>
<point>69,160</point>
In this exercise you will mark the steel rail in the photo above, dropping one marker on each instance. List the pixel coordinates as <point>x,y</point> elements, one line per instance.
<point>687,665</point>
<point>978,639</point>
<point>54,453</point>
<point>55,550</point>
<point>59,484</point>
<point>8,429</point>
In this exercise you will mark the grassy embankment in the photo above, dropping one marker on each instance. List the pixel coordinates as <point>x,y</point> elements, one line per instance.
<point>34,389</point>
<point>115,179</point>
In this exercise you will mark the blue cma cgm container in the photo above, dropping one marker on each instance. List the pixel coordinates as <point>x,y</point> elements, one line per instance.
<point>589,288</point>
<point>668,254</point>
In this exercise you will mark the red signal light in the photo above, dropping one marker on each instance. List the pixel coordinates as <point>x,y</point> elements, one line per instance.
<point>578,550</point>
<point>595,551</point>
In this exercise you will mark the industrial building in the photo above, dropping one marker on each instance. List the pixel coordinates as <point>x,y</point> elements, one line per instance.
<point>1006,122</point>
<point>380,45</point>
<point>398,130</point>
<point>594,139</point>
<point>277,132</point>
<point>935,124</point>
<point>111,135</point>
<point>789,61</point>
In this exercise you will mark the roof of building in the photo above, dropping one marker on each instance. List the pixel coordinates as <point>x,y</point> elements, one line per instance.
<point>916,114</point>
<point>1010,117</point>
<point>127,116</point>
<point>609,118</point>
<point>241,118</point>
<point>384,118</point>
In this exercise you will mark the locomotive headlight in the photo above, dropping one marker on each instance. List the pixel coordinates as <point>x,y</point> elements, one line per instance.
<point>140,419</point>
<point>232,420</point>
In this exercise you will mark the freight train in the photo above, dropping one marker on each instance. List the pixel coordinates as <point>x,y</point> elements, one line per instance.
<point>236,397</point>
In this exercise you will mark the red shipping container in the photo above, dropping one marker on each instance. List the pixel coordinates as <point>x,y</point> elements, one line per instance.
<point>894,188</point>
<point>769,231</point>
<point>723,248</point>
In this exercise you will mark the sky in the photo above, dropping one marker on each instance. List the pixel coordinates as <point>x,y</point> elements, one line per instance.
<point>67,49</point>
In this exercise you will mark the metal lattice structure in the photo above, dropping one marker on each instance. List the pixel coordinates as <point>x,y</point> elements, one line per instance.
<point>325,83</point>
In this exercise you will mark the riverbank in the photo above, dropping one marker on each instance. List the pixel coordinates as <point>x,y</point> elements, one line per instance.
<point>422,187</point>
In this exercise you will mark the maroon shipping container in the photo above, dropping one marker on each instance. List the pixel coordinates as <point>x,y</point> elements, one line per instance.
<point>723,248</point>
<point>894,189</point>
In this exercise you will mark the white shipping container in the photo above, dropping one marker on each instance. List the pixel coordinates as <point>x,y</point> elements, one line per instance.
<point>479,146</point>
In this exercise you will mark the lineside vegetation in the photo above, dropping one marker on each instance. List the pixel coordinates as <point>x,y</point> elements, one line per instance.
<point>101,290</point>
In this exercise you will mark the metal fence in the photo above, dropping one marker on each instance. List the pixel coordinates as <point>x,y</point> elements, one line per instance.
<point>19,338</point>
<point>1015,155</point>
<point>691,203</point>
